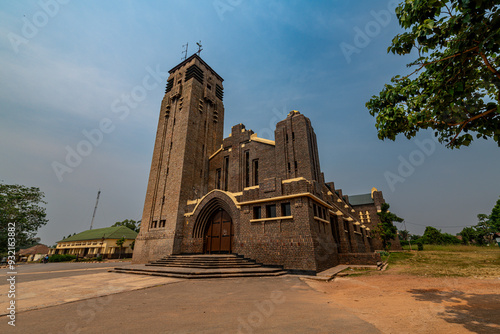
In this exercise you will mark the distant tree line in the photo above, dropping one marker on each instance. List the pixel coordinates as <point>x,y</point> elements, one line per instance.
<point>484,231</point>
<point>481,234</point>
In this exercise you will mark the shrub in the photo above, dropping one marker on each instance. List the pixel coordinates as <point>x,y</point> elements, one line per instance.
<point>420,245</point>
<point>61,258</point>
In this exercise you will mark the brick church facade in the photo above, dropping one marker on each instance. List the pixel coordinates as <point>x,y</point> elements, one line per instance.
<point>262,199</point>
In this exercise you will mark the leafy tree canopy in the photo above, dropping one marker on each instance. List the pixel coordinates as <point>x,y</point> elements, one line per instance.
<point>386,230</point>
<point>494,218</point>
<point>20,206</point>
<point>454,86</point>
<point>130,223</point>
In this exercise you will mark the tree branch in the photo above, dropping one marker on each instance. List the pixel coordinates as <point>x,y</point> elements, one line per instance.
<point>488,65</point>
<point>464,123</point>
<point>422,65</point>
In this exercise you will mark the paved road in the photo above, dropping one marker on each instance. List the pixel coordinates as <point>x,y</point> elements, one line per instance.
<point>239,305</point>
<point>39,271</point>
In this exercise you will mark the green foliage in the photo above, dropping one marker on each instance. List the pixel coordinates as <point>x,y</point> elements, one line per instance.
<point>487,226</point>
<point>61,257</point>
<point>385,229</point>
<point>404,235</point>
<point>449,239</point>
<point>454,88</point>
<point>432,236</point>
<point>494,218</point>
<point>20,206</point>
<point>420,245</point>
<point>468,235</point>
<point>130,223</point>
<point>120,243</point>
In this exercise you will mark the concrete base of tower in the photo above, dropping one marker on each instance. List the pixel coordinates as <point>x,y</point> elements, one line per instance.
<point>147,249</point>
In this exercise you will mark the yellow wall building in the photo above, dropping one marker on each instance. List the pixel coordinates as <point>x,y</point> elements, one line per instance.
<point>101,241</point>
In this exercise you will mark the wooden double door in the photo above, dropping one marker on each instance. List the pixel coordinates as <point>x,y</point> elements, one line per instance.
<point>219,233</point>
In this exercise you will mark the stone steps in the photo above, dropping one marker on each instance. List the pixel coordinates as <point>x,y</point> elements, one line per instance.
<point>202,266</point>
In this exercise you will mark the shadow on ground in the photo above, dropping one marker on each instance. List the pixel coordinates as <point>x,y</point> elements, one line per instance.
<point>476,312</point>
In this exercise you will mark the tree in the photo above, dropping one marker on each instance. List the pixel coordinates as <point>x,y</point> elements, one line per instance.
<point>386,230</point>
<point>468,234</point>
<point>432,236</point>
<point>120,243</point>
<point>130,223</point>
<point>21,214</point>
<point>485,228</point>
<point>404,234</point>
<point>494,218</point>
<point>454,88</point>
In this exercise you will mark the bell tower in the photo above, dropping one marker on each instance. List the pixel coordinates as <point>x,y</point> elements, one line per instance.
<point>190,130</point>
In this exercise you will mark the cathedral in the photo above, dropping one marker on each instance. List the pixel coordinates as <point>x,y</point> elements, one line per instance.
<point>262,199</point>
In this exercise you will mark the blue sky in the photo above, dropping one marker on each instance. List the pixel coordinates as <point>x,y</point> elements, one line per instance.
<point>65,64</point>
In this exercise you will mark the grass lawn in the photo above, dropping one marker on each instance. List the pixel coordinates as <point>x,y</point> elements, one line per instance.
<point>451,260</point>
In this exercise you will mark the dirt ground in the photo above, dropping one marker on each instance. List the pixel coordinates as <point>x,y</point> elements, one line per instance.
<point>415,304</point>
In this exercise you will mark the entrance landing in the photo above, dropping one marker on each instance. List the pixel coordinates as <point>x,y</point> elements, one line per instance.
<point>202,266</point>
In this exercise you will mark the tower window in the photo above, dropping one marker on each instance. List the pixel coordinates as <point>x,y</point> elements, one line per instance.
<point>247,169</point>
<point>295,165</point>
<point>256,172</point>
<point>289,170</point>
<point>209,87</point>
<point>257,212</point>
<point>217,178</point>
<point>170,84</point>
<point>194,72</point>
<point>286,210</point>
<point>219,92</point>
<point>286,138</point>
<point>226,173</point>
<point>270,211</point>
<point>293,135</point>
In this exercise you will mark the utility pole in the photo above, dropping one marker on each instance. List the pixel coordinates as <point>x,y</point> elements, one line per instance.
<point>95,209</point>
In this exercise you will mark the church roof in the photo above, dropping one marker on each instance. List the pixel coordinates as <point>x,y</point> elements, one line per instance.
<point>361,199</point>
<point>115,232</point>
<point>201,61</point>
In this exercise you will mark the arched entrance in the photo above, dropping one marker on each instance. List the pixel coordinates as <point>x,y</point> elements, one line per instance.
<point>219,233</point>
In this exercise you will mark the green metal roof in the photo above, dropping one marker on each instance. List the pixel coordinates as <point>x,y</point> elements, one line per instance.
<point>115,232</point>
<point>361,199</point>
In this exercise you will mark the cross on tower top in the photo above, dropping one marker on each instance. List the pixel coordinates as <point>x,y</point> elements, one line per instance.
<point>199,47</point>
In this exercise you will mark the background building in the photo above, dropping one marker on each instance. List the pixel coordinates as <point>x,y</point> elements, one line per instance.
<point>101,241</point>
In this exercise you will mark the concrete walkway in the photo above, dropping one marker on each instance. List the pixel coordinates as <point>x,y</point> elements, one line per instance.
<point>118,303</point>
<point>57,291</point>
